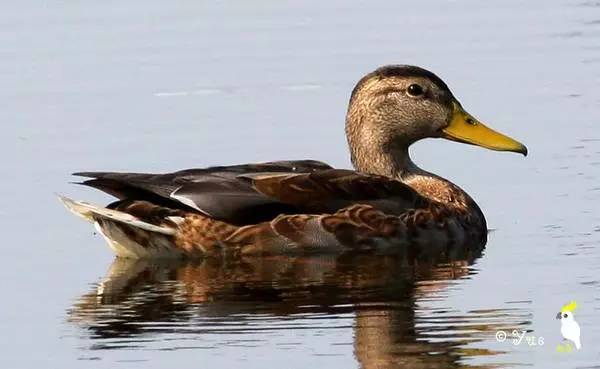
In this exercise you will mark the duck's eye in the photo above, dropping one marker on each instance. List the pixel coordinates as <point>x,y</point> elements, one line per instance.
<point>415,90</point>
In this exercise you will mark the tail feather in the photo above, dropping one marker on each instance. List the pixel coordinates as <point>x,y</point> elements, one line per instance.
<point>126,235</point>
<point>91,213</point>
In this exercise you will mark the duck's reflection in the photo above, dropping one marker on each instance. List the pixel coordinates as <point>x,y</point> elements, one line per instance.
<point>379,291</point>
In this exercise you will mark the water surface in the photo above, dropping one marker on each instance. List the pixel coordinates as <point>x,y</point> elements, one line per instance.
<point>150,86</point>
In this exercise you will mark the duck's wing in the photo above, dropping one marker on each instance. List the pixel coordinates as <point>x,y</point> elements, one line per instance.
<point>329,190</point>
<point>218,192</point>
<point>252,193</point>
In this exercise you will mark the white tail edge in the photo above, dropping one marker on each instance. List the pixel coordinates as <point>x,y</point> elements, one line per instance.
<point>91,212</point>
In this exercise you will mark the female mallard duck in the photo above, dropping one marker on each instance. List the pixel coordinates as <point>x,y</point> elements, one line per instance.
<point>307,206</point>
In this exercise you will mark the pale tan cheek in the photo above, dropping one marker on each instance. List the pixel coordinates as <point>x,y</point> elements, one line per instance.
<point>440,118</point>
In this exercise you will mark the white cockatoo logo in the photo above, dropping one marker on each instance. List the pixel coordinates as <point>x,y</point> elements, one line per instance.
<point>568,326</point>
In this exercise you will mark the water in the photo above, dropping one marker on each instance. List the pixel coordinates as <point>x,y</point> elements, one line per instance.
<point>150,86</point>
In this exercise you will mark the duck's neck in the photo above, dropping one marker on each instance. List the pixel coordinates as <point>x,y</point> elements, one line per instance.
<point>389,160</point>
<point>375,145</point>
<point>393,160</point>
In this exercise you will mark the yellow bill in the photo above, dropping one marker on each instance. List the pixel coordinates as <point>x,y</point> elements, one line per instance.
<point>466,129</point>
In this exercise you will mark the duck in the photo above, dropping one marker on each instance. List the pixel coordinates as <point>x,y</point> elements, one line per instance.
<point>296,207</point>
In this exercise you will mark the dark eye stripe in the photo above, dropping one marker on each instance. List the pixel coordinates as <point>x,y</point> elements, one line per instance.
<point>388,90</point>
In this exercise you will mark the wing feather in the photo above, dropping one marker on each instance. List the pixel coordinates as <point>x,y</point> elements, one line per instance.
<point>332,189</point>
<point>253,193</point>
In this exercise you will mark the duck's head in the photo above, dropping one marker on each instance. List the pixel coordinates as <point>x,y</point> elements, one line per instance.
<point>397,105</point>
